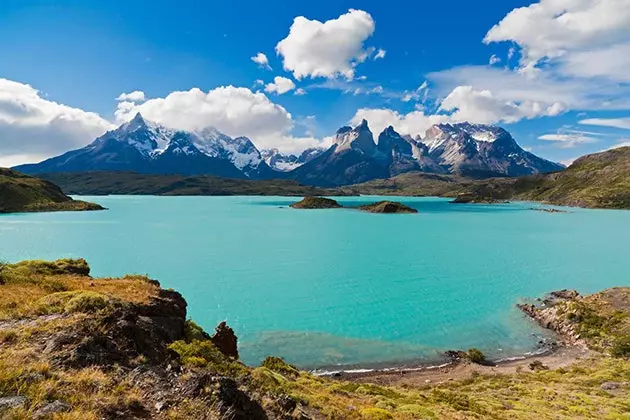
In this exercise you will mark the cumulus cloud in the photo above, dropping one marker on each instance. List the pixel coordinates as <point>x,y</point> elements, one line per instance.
<point>235,111</point>
<point>413,123</point>
<point>494,60</point>
<point>33,128</point>
<point>585,38</point>
<point>135,96</point>
<point>482,106</point>
<point>280,85</point>
<point>300,92</point>
<point>262,61</point>
<point>553,28</point>
<point>326,49</point>
<point>608,122</point>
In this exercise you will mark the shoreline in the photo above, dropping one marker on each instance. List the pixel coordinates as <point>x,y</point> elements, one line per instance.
<point>565,350</point>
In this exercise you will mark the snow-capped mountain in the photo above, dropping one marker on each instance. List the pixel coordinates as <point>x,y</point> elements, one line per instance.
<point>482,150</point>
<point>467,149</point>
<point>287,162</point>
<point>144,146</point>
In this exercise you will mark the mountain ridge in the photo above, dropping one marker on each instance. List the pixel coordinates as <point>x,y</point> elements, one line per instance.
<point>143,146</point>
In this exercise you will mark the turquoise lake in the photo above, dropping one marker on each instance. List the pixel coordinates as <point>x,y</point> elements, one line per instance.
<point>326,288</point>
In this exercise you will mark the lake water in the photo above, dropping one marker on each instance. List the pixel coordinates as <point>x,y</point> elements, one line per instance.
<point>324,288</point>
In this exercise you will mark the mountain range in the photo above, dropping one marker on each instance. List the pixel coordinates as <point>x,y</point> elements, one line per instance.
<point>146,147</point>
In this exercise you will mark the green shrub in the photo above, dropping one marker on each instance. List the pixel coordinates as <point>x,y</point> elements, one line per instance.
<point>276,364</point>
<point>621,346</point>
<point>87,302</point>
<point>537,365</point>
<point>202,353</point>
<point>63,266</point>
<point>73,301</point>
<point>193,332</point>
<point>476,356</point>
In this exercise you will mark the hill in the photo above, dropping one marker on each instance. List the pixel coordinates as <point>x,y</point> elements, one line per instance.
<point>73,346</point>
<point>600,180</point>
<point>131,183</point>
<point>23,193</point>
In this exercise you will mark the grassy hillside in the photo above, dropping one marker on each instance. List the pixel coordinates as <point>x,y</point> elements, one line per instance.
<point>77,347</point>
<point>601,180</point>
<point>104,183</point>
<point>23,193</point>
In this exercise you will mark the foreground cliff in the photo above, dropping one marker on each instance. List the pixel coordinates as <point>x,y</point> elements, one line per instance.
<point>77,347</point>
<point>23,193</point>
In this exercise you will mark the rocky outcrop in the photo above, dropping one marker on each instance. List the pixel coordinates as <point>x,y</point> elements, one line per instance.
<point>310,202</point>
<point>549,315</point>
<point>387,207</point>
<point>225,340</point>
<point>469,198</point>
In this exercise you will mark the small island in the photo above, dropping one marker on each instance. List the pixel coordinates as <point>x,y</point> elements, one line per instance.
<point>470,198</point>
<point>21,193</point>
<point>311,202</point>
<point>387,207</point>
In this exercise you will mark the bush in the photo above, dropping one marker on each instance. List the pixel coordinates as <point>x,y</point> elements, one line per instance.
<point>73,301</point>
<point>376,414</point>
<point>537,365</point>
<point>78,267</point>
<point>193,332</point>
<point>202,353</point>
<point>476,356</point>
<point>621,346</point>
<point>278,365</point>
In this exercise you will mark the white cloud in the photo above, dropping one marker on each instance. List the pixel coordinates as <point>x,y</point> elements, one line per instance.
<point>569,140</point>
<point>621,144</point>
<point>262,61</point>
<point>258,82</point>
<point>482,106</point>
<point>608,122</point>
<point>235,111</point>
<point>494,60</point>
<point>135,96</point>
<point>553,28</point>
<point>326,49</point>
<point>33,128</point>
<point>380,54</point>
<point>280,85</point>
<point>413,123</point>
<point>299,92</point>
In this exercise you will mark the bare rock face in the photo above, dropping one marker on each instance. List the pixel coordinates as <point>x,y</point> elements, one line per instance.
<point>225,340</point>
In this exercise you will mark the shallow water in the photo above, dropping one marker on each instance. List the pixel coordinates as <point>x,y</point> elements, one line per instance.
<point>340,287</point>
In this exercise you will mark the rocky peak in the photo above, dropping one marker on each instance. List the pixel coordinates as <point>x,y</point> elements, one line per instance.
<point>390,142</point>
<point>358,138</point>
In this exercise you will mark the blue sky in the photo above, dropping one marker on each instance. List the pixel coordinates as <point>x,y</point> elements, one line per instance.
<point>544,80</point>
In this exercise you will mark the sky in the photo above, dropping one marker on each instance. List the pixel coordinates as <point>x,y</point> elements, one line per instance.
<point>288,74</point>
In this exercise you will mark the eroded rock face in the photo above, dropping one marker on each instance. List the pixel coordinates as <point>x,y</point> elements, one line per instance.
<point>546,314</point>
<point>225,340</point>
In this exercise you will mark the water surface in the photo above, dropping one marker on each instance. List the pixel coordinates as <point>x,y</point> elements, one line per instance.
<point>341,287</point>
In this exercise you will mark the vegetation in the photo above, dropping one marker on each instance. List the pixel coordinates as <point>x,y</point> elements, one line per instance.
<point>23,193</point>
<point>123,183</point>
<point>600,180</point>
<point>122,348</point>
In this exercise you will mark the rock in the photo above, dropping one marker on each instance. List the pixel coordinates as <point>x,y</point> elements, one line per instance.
<point>608,386</point>
<point>470,198</point>
<point>53,408</point>
<point>310,202</point>
<point>7,403</point>
<point>225,340</point>
<point>387,207</point>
